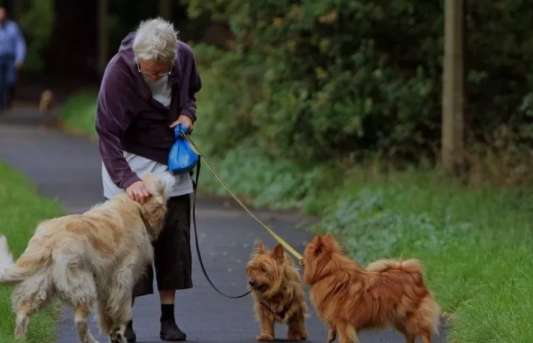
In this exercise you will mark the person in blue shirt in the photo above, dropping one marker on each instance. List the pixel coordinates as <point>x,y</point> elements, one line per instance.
<point>12,54</point>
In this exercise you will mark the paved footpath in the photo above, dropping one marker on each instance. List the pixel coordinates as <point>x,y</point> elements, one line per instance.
<point>68,168</point>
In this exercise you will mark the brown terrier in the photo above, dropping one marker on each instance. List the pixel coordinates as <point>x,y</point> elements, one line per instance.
<point>350,298</point>
<point>278,293</point>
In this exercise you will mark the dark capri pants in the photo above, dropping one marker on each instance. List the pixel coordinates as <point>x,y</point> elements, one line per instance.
<point>172,251</point>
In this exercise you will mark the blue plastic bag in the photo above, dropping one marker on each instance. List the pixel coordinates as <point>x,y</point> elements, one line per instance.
<point>182,157</point>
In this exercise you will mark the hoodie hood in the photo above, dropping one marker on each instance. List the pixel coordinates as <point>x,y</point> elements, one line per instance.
<point>126,50</point>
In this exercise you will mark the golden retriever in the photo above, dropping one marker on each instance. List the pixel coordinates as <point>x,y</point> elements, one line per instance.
<point>88,259</point>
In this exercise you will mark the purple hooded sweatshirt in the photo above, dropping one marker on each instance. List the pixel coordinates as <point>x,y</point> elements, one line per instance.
<point>129,119</point>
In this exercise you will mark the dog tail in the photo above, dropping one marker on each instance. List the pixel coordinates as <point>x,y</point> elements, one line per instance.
<point>410,266</point>
<point>6,261</point>
<point>11,272</point>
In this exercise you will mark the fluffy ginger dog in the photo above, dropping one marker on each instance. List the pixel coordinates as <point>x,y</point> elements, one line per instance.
<point>278,293</point>
<point>350,298</point>
<point>87,259</point>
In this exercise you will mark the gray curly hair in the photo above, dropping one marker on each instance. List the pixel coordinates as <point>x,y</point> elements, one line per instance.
<point>155,39</point>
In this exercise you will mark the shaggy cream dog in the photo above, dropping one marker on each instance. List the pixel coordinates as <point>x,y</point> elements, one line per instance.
<point>88,259</point>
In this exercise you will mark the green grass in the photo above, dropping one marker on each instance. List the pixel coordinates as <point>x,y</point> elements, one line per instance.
<point>78,113</point>
<point>20,211</point>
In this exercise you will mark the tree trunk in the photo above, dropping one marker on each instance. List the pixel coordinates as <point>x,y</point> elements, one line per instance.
<point>165,9</point>
<point>103,35</point>
<point>453,87</point>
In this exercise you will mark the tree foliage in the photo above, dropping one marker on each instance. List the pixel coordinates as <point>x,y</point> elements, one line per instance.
<point>331,78</point>
<point>37,22</point>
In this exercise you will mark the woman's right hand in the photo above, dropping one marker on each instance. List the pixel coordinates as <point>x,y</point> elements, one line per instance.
<point>137,191</point>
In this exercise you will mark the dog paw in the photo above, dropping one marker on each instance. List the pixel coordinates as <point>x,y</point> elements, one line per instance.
<point>332,336</point>
<point>265,337</point>
<point>21,326</point>
<point>117,337</point>
<point>296,337</point>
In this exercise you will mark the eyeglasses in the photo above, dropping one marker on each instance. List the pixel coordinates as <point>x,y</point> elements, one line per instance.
<point>154,76</point>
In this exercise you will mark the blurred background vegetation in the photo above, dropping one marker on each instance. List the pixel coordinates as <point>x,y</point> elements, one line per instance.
<point>338,81</point>
<point>347,80</point>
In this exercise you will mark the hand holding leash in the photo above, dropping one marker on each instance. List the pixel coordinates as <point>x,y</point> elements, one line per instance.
<point>184,121</point>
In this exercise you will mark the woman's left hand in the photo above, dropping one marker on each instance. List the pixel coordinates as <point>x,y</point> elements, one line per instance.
<point>184,120</point>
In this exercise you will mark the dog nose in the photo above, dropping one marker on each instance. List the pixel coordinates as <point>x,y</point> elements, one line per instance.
<point>252,283</point>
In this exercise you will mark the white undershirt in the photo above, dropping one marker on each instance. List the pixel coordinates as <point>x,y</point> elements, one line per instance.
<point>160,90</point>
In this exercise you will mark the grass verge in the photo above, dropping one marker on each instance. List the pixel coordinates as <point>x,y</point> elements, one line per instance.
<point>20,211</point>
<point>78,113</point>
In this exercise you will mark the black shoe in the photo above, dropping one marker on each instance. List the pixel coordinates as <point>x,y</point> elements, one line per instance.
<point>171,332</point>
<point>129,333</point>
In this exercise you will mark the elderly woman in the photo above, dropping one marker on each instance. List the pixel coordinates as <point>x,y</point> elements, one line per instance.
<point>149,87</point>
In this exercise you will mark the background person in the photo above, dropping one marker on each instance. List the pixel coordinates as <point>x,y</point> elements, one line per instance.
<point>12,54</point>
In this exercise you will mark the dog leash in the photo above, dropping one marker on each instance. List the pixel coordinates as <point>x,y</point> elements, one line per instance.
<point>278,238</point>
<point>204,270</point>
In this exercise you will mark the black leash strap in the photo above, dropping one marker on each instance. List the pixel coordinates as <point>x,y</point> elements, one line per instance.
<point>197,178</point>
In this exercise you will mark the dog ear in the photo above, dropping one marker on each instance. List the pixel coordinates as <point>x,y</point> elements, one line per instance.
<point>329,243</point>
<point>278,253</point>
<point>316,240</point>
<point>316,245</point>
<point>154,211</point>
<point>154,184</point>
<point>260,247</point>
